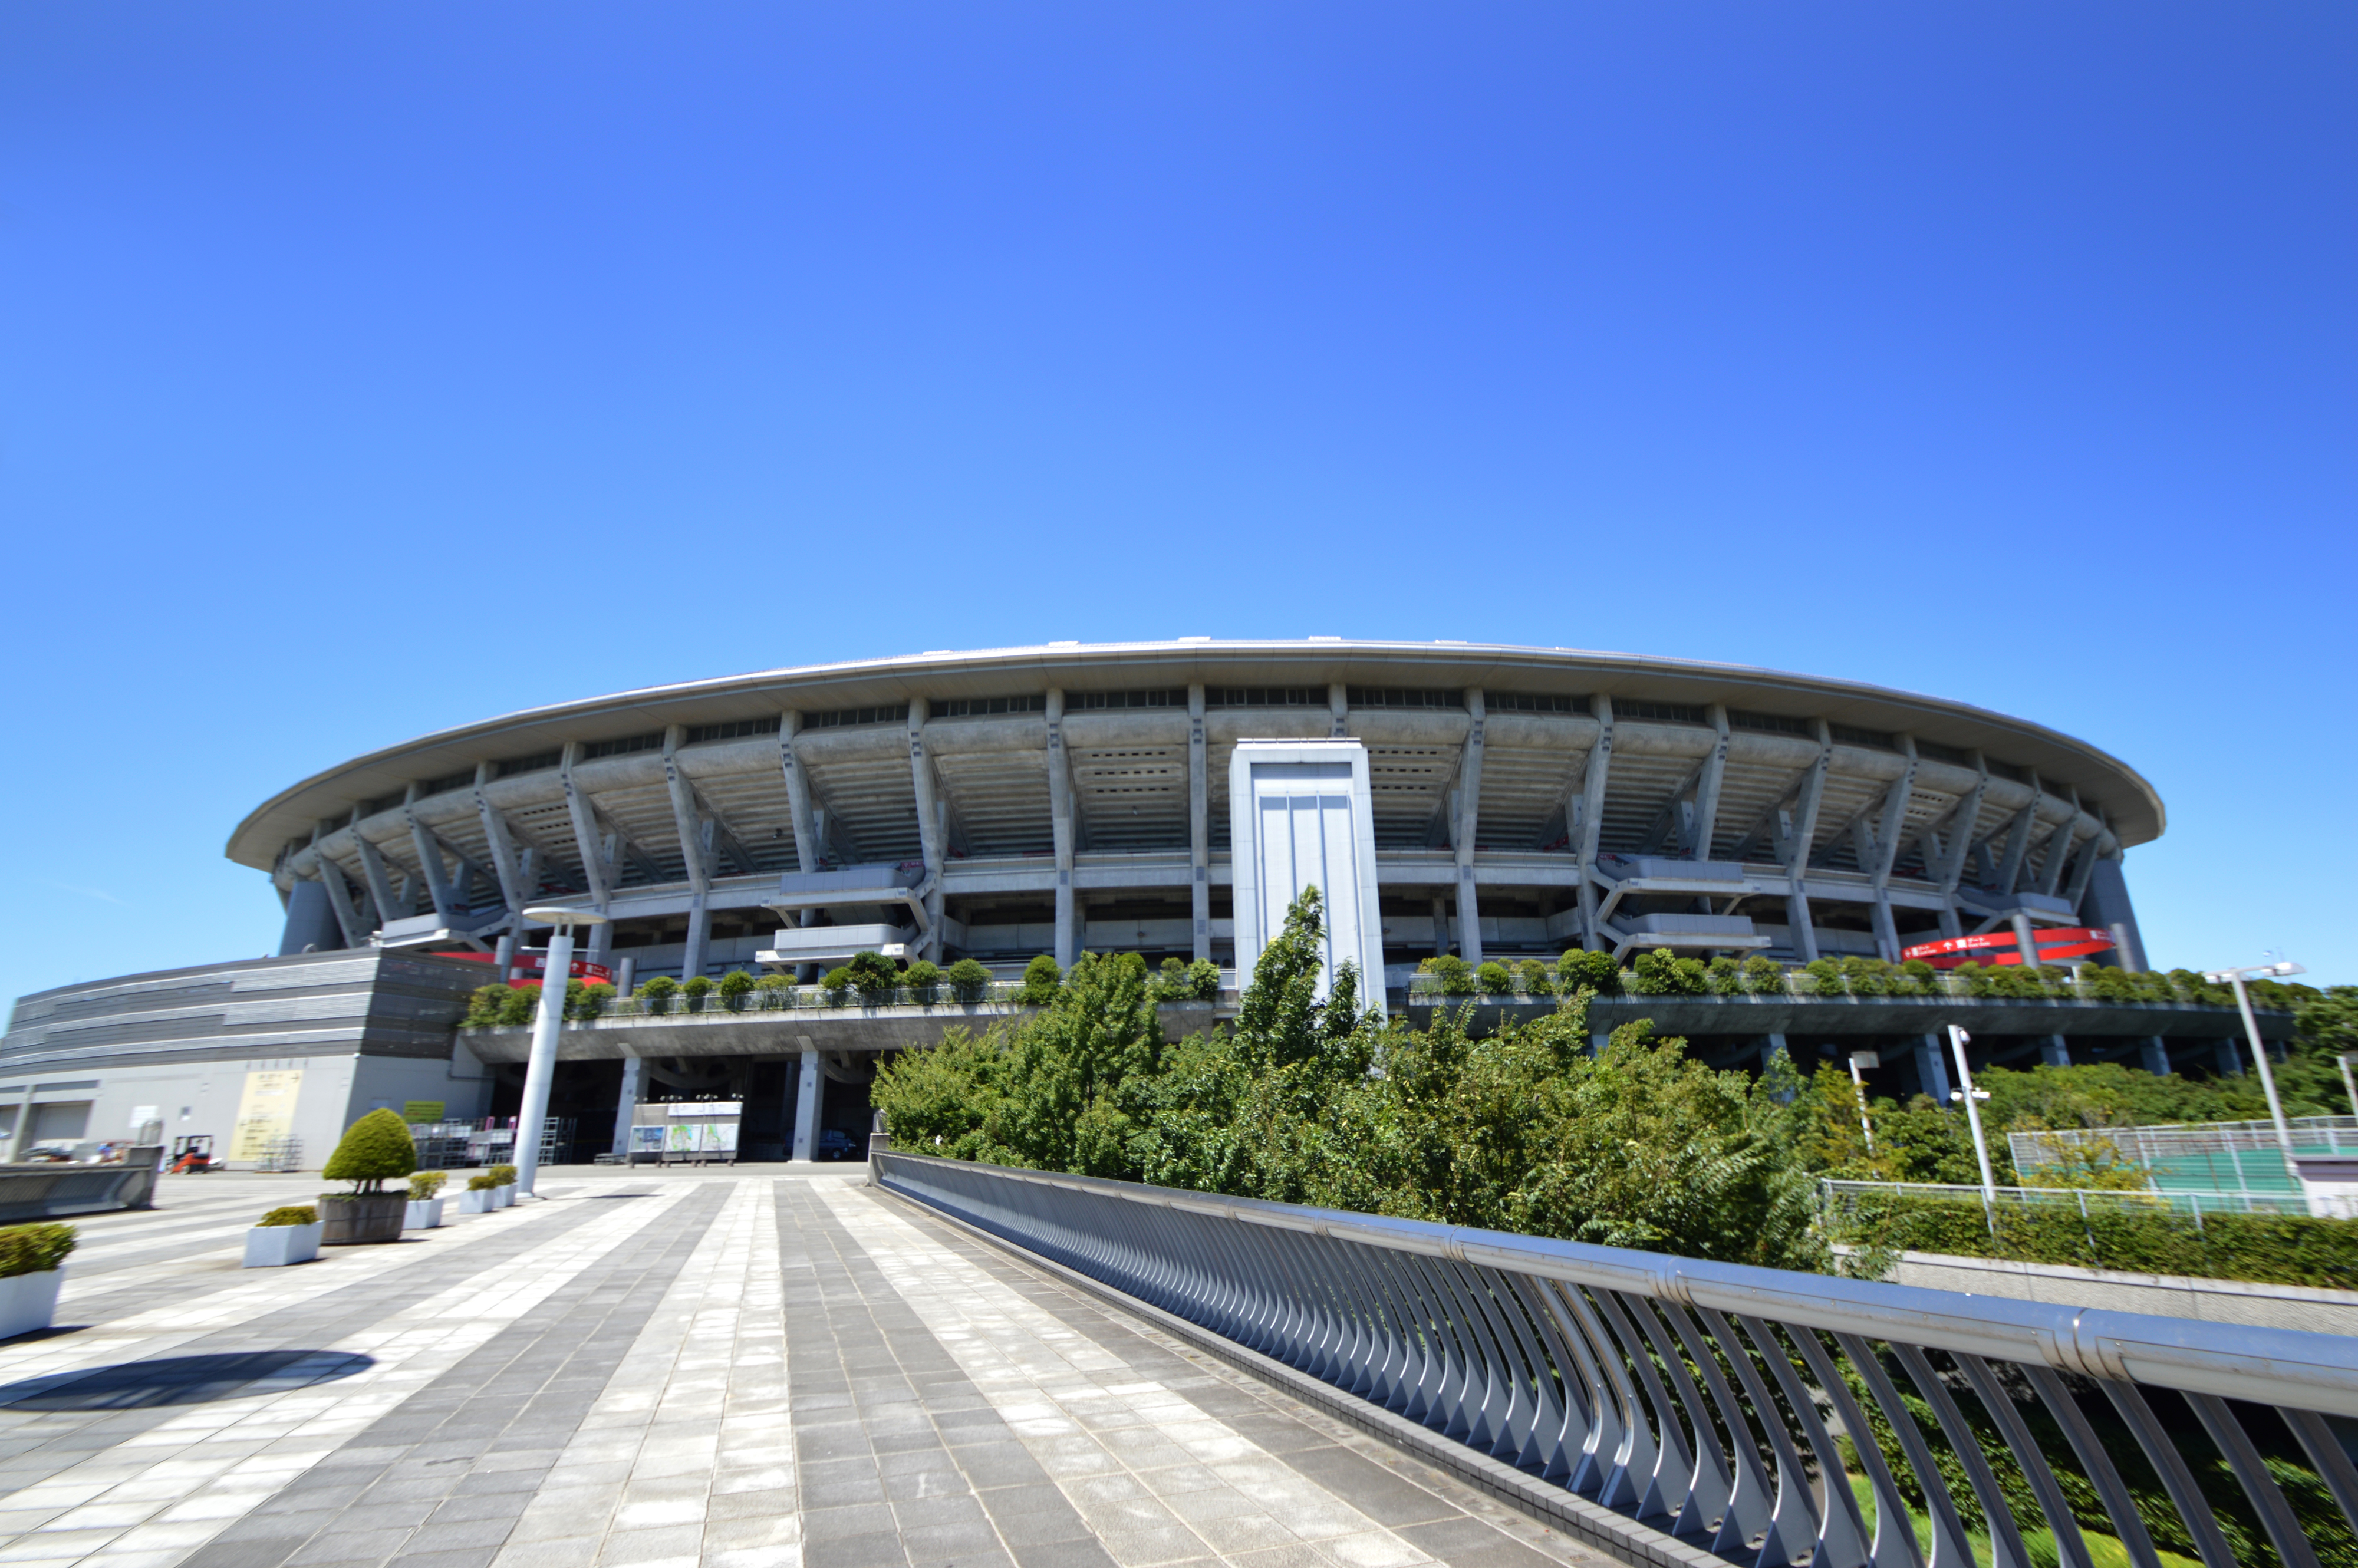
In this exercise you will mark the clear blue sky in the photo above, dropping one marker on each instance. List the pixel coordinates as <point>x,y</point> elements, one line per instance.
<point>355,358</point>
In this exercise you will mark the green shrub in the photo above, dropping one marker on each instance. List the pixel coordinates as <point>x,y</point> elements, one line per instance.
<point>502,1175</point>
<point>35,1249</point>
<point>483,1183</point>
<point>1494,979</point>
<point>484,1007</point>
<point>1457,976</point>
<point>735,987</point>
<point>292,1214</point>
<point>873,976</point>
<point>656,993</point>
<point>1824,978</point>
<point>522,1004</point>
<point>374,1150</point>
<point>770,985</point>
<point>592,1000</point>
<point>1865,977</point>
<point>970,981</point>
<point>1926,977</point>
<point>425,1184</point>
<point>1597,971</point>
<point>1722,977</point>
<point>695,989</point>
<point>1532,976</point>
<point>1171,982</point>
<point>1042,980</point>
<point>836,983</point>
<point>1204,976</point>
<point>1763,976</point>
<point>1660,972</point>
<point>925,979</point>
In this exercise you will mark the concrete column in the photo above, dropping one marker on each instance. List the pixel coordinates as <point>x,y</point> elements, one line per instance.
<point>1591,815</point>
<point>1339,708</point>
<point>311,922</point>
<point>798,795</point>
<point>2054,1051</point>
<point>699,932</point>
<point>1769,1045</point>
<point>1887,931</point>
<point>21,1138</point>
<point>1804,833</point>
<point>340,900</point>
<point>1932,1067</point>
<point>541,1065</point>
<point>2227,1058</point>
<point>2027,940</point>
<point>929,826</point>
<point>2107,905</point>
<point>807,1104</point>
<point>503,957</point>
<point>1597,1040</point>
<point>1469,813</point>
<point>1708,783</point>
<point>380,885</point>
<point>626,976</point>
<point>1440,926</point>
<point>626,1108</point>
<point>1060,819</point>
<point>2154,1056</point>
<point>429,864</point>
<point>1199,825</point>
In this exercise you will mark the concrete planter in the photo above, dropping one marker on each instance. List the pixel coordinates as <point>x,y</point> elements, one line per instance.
<point>422,1214</point>
<point>353,1221</point>
<point>506,1196</point>
<point>479,1200</point>
<point>277,1246</point>
<point>28,1301</point>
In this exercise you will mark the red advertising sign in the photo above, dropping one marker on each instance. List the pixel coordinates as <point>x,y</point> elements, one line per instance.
<point>533,963</point>
<point>2000,948</point>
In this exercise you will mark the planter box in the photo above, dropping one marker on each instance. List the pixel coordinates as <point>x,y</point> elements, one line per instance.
<point>276,1246</point>
<point>28,1301</point>
<point>352,1221</point>
<point>422,1214</point>
<point>506,1196</point>
<point>479,1200</point>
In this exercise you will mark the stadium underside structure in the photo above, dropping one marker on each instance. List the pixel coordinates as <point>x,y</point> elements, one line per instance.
<point>1500,804</point>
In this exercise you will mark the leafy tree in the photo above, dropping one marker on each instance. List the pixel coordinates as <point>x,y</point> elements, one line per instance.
<point>1204,976</point>
<point>486,1005</point>
<point>374,1150</point>
<point>521,1004</point>
<point>873,977</point>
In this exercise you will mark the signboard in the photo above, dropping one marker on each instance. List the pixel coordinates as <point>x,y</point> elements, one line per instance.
<point>705,1109</point>
<point>265,1113</point>
<point>1995,947</point>
<point>532,964</point>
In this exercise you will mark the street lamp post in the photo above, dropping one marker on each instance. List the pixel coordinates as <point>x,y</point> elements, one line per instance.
<point>533,1115</point>
<point>2259,1050</point>
<point>1972,1097</point>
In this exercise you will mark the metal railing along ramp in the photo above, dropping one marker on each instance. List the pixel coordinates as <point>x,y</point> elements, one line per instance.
<point>1676,1411</point>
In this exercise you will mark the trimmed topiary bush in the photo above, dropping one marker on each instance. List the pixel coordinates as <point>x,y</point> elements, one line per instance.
<point>374,1149</point>
<point>970,981</point>
<point>1533,976</point>
<point>874,977</point>
<point>1171,982</point>
<point>1825,979</point>
<point>696,988</point>
<point>425,1184</point>
<point>924,979</point>
<point>1721,977</point>
<point>35,1249</point>
<point>1597,971</point>
<point>1457,976</point>
<point>594,999</point>
<point>483,1182</point>
<point>656,993</point>
<point>735,987</point>
<point>837,984</point>
<point>502,1175</point>
<point>1761,975</point>
<point>484,1007</point>
<point>1204,976</point>
<point>521,1005</point>
<point>293,1213</point>
<point>1042,981</point>
<point>1494,979</point>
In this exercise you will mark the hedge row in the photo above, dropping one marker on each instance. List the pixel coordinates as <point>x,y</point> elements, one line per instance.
<point>2260,1249</point>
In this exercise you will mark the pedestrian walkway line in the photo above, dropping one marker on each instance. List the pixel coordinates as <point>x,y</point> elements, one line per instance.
<point>1156,1477</point>
<point>151,1499</point>
<point>686,1457</point>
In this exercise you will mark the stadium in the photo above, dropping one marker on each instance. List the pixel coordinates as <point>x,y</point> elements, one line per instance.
<point>1491,803</point>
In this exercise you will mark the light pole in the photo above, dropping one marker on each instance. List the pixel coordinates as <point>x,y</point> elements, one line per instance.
<point>1971,1096</point>
<point>2259,1051</point>
<point>533,1115</point>
<point>1863,1059</point>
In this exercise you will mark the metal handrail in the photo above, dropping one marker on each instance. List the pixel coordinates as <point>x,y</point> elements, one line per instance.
<point>2126,1200</point>
<point>1799,985</point>
<point>1643,1381</point>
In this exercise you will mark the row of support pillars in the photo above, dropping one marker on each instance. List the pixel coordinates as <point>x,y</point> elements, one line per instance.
<point>810,1097</point>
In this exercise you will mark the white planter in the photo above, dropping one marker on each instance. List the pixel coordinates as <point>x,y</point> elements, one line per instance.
<point>276,1246</point>
<point>28,1301</point>
<point>478,1200</point>
<point>507,1196</point>
<point>422,1214</point>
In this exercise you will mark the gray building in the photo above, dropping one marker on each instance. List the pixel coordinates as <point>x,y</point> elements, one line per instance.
<point>1057,799</point>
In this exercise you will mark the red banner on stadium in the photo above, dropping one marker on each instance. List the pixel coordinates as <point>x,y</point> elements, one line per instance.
<point>1999,947</point>
<point>534,962</point>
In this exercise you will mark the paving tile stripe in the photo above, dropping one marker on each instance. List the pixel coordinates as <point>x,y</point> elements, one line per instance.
<point>148,1500</point>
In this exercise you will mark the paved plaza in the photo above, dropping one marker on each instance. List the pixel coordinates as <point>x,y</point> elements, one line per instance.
<point>746,1369</point>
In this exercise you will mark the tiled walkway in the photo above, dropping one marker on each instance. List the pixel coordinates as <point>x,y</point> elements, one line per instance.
<point>745,1368</point>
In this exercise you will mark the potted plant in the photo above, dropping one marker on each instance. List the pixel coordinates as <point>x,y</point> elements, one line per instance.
<point>283,1236</point>
<point>655,994</point>
<point>424,1210</point>
<point>696,988</point>
<point>735,987</point>
<point>30,1256</point>
<point>924,979</point>
<point>481,1196</point>
<point>502,1185</point>
<point>376,1149</point>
